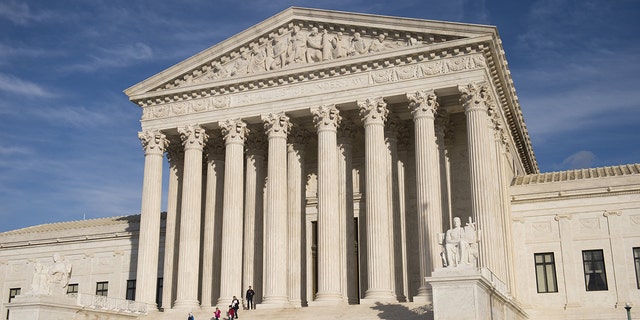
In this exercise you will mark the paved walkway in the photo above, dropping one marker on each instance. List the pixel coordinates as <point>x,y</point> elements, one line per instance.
<point>399,311</point>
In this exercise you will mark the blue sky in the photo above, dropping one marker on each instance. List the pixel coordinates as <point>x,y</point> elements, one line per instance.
<point>68,135</point>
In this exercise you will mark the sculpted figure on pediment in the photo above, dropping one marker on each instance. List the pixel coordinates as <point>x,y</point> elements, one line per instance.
<point>277,48</point>
<point>298,46</point>
<point>340,45</point>
<point>358,45</point>
<point>314,45</point>
<point>258,60</point>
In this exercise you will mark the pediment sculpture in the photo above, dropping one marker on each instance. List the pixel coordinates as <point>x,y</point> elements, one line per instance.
<point>297,44</point>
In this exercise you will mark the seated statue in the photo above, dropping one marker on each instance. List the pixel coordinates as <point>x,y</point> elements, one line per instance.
<point>51,279</point>
<point>460,245</point>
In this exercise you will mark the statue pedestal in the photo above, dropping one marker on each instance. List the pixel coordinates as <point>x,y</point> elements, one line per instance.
<point>467,293</point>
<point>42,307</point>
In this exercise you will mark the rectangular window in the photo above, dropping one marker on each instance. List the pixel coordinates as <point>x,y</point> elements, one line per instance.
<point>595,276</point>
<point>102,288</point>
<point>72,288</point>
<point>13,292</point>
<point>636,260</point>
<point>546,272</point>
<point>131,290</point>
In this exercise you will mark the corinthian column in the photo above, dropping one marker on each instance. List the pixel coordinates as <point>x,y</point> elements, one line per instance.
<point>212,219</point>
<point>275,219</point>
<point>327,120</point>
<point>345,210</point>
<point>374,113</point>
<point>476,100</point>
<point>193,140</point>
<point>175,155</point>
<point>424,106</point>
<point>295,209</point>
<point>154,144</point>
<point>253,211</point>
<point>235,133</point>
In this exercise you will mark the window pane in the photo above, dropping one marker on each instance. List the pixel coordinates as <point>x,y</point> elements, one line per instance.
<point>594,270</point>
<point>636,258</point>
<point>545,272</point>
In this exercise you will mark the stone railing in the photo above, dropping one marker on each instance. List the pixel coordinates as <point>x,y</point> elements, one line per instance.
<point>102,303</point>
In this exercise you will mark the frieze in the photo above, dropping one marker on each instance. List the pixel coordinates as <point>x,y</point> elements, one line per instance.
<point>186,107</point>
<point>379,76</point>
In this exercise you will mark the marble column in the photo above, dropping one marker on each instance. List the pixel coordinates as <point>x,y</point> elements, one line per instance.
<point>154,144</point>
<point>212,219</point>
<point>296,211</point>
<point>327,119</point>
<point>379,276</point>
<point>424,107</point>
<point>235,133</point>
<point>253,212</point>
<point>475,99</point>
<point>175,155</point>
<point>348,265</point>
<point>277,127</point>
<point>193,140</point>
<point>393,198</point>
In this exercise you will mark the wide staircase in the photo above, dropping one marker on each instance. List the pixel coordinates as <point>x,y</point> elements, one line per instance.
<point>396,311</point>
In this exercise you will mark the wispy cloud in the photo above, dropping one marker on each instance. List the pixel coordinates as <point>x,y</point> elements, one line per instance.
<point>14,85</point>
<point>19,12</point>
<point>114,57</point>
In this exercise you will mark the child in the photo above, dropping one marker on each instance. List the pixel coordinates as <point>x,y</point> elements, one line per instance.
<point>216,314</point>
<point>231,313</point>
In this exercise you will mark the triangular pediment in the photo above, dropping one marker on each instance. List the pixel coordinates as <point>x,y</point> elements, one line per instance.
<point>302,38</point>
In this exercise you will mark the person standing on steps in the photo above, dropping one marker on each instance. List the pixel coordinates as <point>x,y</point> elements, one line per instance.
<point>216,314</point>
<point>249,296</point>
<point>191,317</point>
<point>235,304</point>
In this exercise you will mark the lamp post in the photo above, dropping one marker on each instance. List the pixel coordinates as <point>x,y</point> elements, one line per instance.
<point>628,308</point>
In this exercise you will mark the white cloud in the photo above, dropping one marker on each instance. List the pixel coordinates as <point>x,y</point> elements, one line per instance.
<point>579,160</point>
<point>15,85</point>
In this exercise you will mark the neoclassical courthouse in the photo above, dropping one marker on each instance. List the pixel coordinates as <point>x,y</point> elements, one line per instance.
<point>321,157</point>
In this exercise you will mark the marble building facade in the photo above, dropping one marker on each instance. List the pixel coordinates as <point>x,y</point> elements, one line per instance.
<point>320,157</point>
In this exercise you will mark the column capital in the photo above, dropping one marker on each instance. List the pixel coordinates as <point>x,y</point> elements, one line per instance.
<point>423,103</point>
<point>153,141</point>
<point>276,125</point>
<point>326,117</point>
<point>193,137</point>
<point>373,110</point>
<point>234,131</point>
<point>475,96</point>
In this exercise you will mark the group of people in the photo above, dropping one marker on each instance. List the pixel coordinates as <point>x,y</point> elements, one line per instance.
<point>232,312</point>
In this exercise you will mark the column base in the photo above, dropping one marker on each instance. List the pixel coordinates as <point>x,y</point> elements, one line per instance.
<point>186,304</point>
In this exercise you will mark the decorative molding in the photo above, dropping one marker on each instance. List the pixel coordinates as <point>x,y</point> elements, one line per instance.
<point>345,78</point>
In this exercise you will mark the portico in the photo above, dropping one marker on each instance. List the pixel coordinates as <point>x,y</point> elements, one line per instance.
<point>326,180</point>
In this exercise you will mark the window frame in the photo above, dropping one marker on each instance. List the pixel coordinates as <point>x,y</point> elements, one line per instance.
<point>73,288</point>
<point>591,265</point>
<point>548,267</point>
<point>102,288</point>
